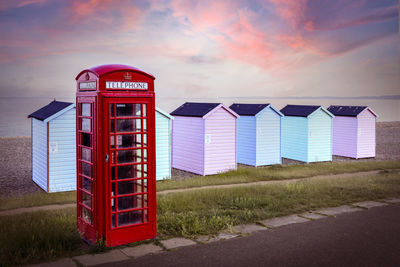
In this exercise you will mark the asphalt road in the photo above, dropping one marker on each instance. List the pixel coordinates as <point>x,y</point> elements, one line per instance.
<point>365,238</point>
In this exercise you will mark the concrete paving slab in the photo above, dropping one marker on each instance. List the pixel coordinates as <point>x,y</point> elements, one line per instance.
<point>114,255</point>
<point>281,221</point>
<point>370,204</point>
<point>223,236</point>
<point>66,262</point>
<point>338,210</point>
<point>203,238</point>
<point>312,216</point>
<point>392,200</point>
<point>177,242</point>
<point>141,250</point>
<point>248,228</point>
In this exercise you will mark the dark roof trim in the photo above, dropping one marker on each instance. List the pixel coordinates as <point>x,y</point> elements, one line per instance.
<point>349,111</point>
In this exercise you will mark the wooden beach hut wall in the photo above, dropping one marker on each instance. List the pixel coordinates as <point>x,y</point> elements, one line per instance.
<point>54,147</point>
<point>258,134</point>
<point>307,133</point>
<point>204,138</point>
<point>354,131</point>
<point>163,144</point>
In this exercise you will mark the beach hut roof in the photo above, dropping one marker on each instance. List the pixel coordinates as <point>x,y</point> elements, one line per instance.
<point>191,109</point>
<point>348,111</point>
<point>162,112</point>
<point>302,110</point>
<point>251,109</point>
<point>46,113</point>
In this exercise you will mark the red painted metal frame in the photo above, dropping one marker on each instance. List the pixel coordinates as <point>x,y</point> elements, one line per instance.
<point>100,228</point>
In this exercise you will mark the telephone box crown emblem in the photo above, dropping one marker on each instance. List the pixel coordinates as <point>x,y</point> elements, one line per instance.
<point>128,76</point>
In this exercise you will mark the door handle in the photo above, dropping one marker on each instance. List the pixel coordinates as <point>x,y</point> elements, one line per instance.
<point>107,157</point>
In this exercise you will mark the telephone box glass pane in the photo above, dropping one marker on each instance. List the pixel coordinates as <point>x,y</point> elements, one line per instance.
<point>144,125</point>
<point>146,204</point>
<point>112,126</point>
<point>128,218</point>
<point>144,170</point>
<point>144,139</point>
<point>112,173</point>
<point>129,140</point>
<point>145,185</point>
<point>128,125</point>
<point>86,199</point>
<point>85,125</point>
<point>131,202</point>
<point>146,215</point>
<point>144,154</point>
<point>86,184</point>
<point>85,139</point>
<point>130,171</point>
<point>86,169</point>
<point>144,110</point>
<point>113,220</point>
<point>129,156</point>
<point>111,110</point>
<point>86,214</point>
<point>129,187</point>
<point>127,110</point>
<point>86,110</point>
<point>86,154</point>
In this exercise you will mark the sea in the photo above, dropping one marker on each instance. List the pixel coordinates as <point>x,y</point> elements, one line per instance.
<point>14,111</point>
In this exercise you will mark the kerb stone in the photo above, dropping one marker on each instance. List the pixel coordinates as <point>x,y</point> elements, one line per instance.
<point>96,259</point>
<point>281,221</point>
<point>177,242</point>
<point>141,250</point>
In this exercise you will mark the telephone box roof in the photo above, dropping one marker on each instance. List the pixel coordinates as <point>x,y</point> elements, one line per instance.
<point>101,70</point>
<point>348,111</point>
<point>49,110</point>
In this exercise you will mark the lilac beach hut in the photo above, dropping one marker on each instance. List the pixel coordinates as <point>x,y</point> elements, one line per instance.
<point>353,131</point>
<point>204,138</point>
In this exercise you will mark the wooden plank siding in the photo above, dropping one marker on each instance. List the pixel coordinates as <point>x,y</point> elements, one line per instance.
<point>320,136</point>
<point>39,153</point>
<point>220,151</point>
<point>62,163</point>
<point>366,134</point>
<point>246,140</point>
<point>163,146</point>
<point>268,137</point>
<point>188,144</point>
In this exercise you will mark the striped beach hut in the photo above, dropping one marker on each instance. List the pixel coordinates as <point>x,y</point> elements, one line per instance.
<point>354,131</point>
<point>307,133</point>
<point>163,144</point>
<point>258,134</point>
<point>204,138</point>
<point>54,147</point>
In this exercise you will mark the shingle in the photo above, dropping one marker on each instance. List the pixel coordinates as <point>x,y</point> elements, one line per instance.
<point>49,110</point>
<point>247,109</point>
<point>348,111</point>
<point>299,110</point>
<point>192,109</point>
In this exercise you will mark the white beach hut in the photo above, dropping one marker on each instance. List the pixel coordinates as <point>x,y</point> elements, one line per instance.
<point>163,144</point>
<point>54,147</point>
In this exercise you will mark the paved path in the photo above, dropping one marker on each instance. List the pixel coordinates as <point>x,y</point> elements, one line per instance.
<point>366,238</point>
<point>287,181</point>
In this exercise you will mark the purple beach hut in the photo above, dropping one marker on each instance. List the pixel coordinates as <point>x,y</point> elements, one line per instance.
<point>353,131</point>
<point>204,138</point>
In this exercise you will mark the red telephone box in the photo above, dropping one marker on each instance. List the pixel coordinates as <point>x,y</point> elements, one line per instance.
<point>116,170</point>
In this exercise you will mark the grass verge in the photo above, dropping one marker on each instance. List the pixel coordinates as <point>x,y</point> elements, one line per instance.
<point>43,236</point>
<point>37,199</point>
<point>277,172</point>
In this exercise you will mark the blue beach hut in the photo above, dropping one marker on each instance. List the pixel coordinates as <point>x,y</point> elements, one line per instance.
<point>307,133</point>
<point>258,134</point>
<point>163,144</point>
<point>54,147</point>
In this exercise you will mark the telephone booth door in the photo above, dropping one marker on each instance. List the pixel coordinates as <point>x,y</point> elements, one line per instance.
<point>130,181</point>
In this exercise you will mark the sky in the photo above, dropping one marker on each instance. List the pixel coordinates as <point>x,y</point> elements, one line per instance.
<point>208,48</point>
